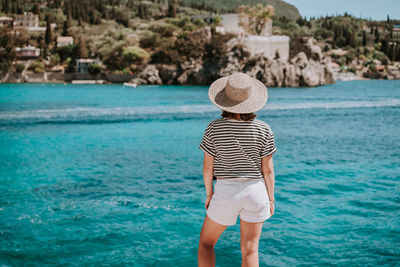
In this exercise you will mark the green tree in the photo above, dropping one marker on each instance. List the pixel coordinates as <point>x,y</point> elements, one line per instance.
<point>338,38</point>
<point>54,59</point>
<point>172,8</point>
<point>48,35</point>
<point>353,39</point>
<point>149,39</point>
<point>80,50</point>
<point>65,52</point>
<point>277,54</point>
<point>397,57</point>
<point>122,18</point>
<point>7,51</point>
<point>144,9</point>
<point>36,10</point>
<point>95,69</point>
<point>66,27</point>
<point>19,67</point>
<point>130,4</point>
<point>391,51</point>
<point>254,19</point>
<point>6,6</point>
<point>36,66</point>
<point>217,20</point>
<point>385,46</point>
<point>377,37</point>
<point>364,38</point>
<point>134,55</point>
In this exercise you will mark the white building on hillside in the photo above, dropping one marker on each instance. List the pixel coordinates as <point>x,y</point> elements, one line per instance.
<point>230,23</point>
<point>6,22</point>
<point>64,41</point>
<point>28,19</point>
<point>270,46</point>
<point>27,52</point>
<point>265,43</point>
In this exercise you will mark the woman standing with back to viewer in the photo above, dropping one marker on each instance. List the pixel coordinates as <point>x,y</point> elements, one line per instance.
<point>237,152</point>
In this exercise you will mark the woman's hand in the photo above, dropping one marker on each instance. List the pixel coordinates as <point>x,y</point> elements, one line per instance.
<point>208,199</point>
<point>272,207</point>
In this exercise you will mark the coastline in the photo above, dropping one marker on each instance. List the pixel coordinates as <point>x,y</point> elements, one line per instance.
<point>50,78</point>
<point>308,67</point>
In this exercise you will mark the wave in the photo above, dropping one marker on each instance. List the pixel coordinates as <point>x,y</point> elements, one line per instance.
<point>393,102</point>
<point>120,114</point>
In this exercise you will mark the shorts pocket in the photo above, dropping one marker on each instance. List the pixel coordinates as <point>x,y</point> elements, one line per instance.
<point>257,198</point>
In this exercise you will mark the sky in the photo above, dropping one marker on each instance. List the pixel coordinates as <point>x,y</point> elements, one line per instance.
<point>374,9</point>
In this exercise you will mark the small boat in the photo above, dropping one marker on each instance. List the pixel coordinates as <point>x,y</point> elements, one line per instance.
<point>88,82</point>
<point>129,84</point>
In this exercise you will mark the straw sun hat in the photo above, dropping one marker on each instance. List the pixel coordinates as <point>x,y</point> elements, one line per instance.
<point>238,93</point>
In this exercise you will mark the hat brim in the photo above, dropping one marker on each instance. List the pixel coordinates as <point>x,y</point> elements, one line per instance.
<point>256,101</point>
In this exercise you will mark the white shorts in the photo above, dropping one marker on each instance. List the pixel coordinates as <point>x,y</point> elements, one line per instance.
<point>243,196</point>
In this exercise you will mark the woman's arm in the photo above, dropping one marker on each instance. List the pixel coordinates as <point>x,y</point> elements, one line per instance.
<point>208,170</point>
<point>267,167</point>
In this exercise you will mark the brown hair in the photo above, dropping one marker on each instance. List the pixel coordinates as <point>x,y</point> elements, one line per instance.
<point>243,116</point>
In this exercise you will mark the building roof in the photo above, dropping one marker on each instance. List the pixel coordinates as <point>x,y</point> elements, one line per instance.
<point>26,48</point>
<point>86,60</point>
<point>27,14</point>
<point>65,39</point>
<point>6,18</point>
<point>33,29</point>
<point>274,38</point>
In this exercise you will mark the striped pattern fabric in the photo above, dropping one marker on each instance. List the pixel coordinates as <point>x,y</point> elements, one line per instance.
<point>237,147</point>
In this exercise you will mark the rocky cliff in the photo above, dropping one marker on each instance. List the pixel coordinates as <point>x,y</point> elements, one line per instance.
<point>300,70</point>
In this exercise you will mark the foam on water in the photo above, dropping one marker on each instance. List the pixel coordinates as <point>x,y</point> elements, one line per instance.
<point>89,114</point>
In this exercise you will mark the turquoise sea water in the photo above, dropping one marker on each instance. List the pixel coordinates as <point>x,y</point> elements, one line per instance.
<point>99,175</point>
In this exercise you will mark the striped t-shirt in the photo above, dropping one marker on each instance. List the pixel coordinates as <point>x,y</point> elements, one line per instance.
<point>237,147</point>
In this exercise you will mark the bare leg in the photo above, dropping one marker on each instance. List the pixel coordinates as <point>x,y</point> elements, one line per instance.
<point>209,235</point>
<point>249,238</point>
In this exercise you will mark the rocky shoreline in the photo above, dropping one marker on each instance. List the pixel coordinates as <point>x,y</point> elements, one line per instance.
<point>301,70</point>
<point>308,68</point>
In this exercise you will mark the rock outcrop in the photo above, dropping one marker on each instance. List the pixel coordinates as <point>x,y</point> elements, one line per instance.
<point>299,71</point>
<point>393,72</point>
<point>167,73</point>
<point>150,75</point>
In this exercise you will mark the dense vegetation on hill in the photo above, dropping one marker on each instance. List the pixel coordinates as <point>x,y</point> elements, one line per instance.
<point>93,10</point>
<point>361,38</point>
<point>282,8</point>
<point>128,34</point>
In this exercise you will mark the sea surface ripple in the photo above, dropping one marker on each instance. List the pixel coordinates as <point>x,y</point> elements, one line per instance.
<point>105,175</point>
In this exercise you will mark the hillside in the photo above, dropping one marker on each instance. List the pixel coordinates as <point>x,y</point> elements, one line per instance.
<point>282,8</point>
